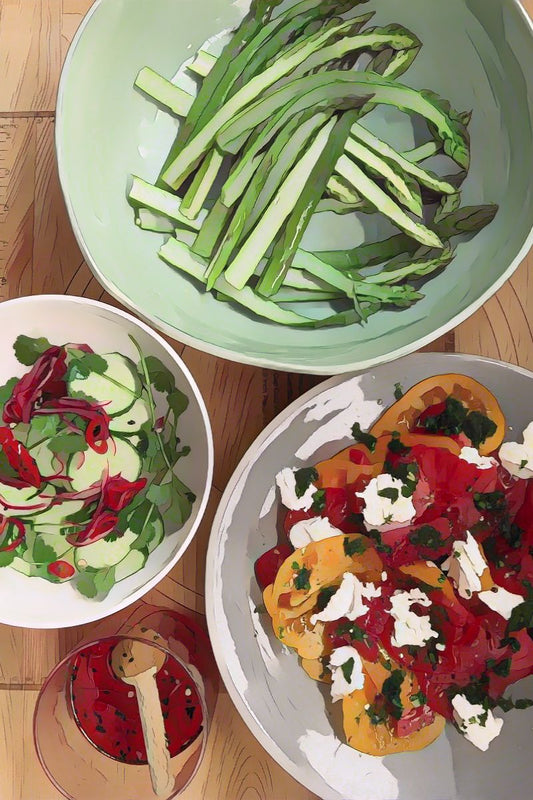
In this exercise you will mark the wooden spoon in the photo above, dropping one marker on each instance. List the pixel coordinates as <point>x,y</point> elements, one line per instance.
<point>137,664</point>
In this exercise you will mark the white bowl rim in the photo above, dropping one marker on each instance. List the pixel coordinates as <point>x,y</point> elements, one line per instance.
<point>213,606</point>
<point>232,355</point>
<point>136,595</point>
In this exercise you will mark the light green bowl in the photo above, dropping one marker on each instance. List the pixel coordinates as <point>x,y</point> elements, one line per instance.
<point>477,53</point>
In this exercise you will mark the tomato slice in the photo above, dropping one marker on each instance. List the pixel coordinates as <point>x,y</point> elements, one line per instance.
<point>404,415</point>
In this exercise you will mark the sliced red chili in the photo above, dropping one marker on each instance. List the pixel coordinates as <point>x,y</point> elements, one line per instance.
<point>44,381</point>
<point>61,569</point>
<point>19,458</point>
<point>18,539</point>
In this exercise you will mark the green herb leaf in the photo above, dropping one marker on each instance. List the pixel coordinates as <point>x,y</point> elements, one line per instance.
<point>7,390</point>
<point>7,557</point>
<point>390,493</point>
<point>91,583</point>
<point>27,349</point>
<point>319,500</point>
<point>427,536</point>
<point>391,691</point>
<point>45,426</point>
<point>42,553</point>
<point>82,366</point>
<point>398,391</point>
<point>354,547</point>
<point>161,377</point>
<point>347,669</point>
<point>380,547</point>
<point>67,443</point>
<point>355,632</point>
<point>478,427</point>
<point>502,668</point>
<point>324,596</point>
<point>521,617</point>
<point>303,478</point>
<point>489,501</point>
<point>301,581</point>
<point>366,439</point>
<point>418,699</point>
<point>177,402</point>
<point>377,713</point>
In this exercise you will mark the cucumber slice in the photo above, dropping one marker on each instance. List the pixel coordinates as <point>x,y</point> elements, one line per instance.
<point>102,554</point>
<point>57,513</point>
<point>50,537</point>
<point>26,502</point>
<point>47,462</point>
<point>134,561</point>
<point>87,468</point>
<point>132,420</point>
<point>116,389</point>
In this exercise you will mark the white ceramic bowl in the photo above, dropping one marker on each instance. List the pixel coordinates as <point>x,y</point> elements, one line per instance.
<point>287,711</point>
<point>33,602</point>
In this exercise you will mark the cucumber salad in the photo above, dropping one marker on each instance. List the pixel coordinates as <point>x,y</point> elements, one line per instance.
<point>87,464</point>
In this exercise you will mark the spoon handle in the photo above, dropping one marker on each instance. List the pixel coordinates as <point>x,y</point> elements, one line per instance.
<point>153,727</point>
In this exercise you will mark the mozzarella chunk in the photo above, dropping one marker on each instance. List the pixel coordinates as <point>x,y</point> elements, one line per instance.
<point>465,566</point>
<point>381,510</point>
<point>471,455</point>
<point>501,601</point>
<point>312,530</point>
<point>518,458</point>
<point>342,657</point>
<point>410,628</point>
<point>476,724</point>
<point>287,486</point>
<point>347,600</point>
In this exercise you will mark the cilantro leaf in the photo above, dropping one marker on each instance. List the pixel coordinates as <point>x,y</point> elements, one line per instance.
<point>355,632</point>
<point>319,500</point>
<point>45,425</point>
<point>521,616</point>
<point>396,446</point>
<point>301,581</point>
<point>390,492</point>
<point>68,443</point>
<point>502,668</point>
<point>7,390</point>
<point>6,557</point>
<point>478,427</point>
<point>28,349</point>
<point>82,366</point>
<point>91,583</point>
<point>43,553</point>
<point>303,478</point>
<point>391,691</point>
<point>354,547</point>
<point>427,536</point>
<point>489,501</point>
<point>366,439</point>
<point>324,596</point>
<point>398,391</point>
<point>347,669</point>
<point>160,376</point>
<point>177,402</point>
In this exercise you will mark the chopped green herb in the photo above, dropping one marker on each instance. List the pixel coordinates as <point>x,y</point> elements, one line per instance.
<point>478,427</point>
<point>523,463</point>
<point>427,536</point>
<point>398,391</point>
<point>489,501</point>
<point>301,581</point>
<point>395,445</point>
<point>406,473</point>
<point>391,691</point>
<point>356,633</point>
<point>353,547</point>
<point>502,668</point>
<point>418,699</point>
<point>319,500</point>
<point>324,596</point>
<point>380,547</point>
<point>456,418</point>
<point>347,669</point>
<point>377,713</point>
<point>390,493</point>
<point>365,439</point>
<point>28,349</point>
<point>303,478</point>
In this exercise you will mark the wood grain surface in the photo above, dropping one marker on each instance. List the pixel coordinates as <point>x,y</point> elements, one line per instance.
<point>38,253</point>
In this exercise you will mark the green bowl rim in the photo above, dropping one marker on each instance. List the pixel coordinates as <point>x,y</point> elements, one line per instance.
<point>233,355</point>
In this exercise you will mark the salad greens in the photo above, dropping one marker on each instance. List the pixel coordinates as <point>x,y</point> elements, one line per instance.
<point>277,133</point>
<point>89,446</point>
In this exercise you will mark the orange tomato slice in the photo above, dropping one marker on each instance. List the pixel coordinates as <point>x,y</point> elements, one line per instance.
<point>403,414</point>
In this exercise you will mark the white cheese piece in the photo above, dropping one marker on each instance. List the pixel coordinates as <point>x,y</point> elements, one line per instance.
<point>440,646</point>
<point>409,627</point>
<point>465,566</point>
<point>312,530</point>
<point>518,458</point>
<point>287,486</point>
<point>471,455</point>
<point>384,510</point>
<point>347,600</point>
<point>476,724</point>
<point>501,601</point>
<point>340,687</point>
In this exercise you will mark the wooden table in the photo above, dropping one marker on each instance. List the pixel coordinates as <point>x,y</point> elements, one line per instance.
<point>38,253</point>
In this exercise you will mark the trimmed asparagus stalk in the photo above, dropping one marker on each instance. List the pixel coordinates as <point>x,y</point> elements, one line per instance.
<point>202,184</point>
<point>167,94</point>
<point>144,195</point>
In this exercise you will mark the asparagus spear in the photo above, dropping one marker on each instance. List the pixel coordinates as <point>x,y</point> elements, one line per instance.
<point>399,184</point>
<point>167,94</point>
<point>346,89</point>
<point>203,63</point>
<point>144,195</point>
<point>423,176</point>
<point>368,188</point>
<point>257,244</point>
<point>298,220</point>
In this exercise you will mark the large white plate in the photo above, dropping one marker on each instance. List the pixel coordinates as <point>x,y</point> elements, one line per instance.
<point>284,709</point>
